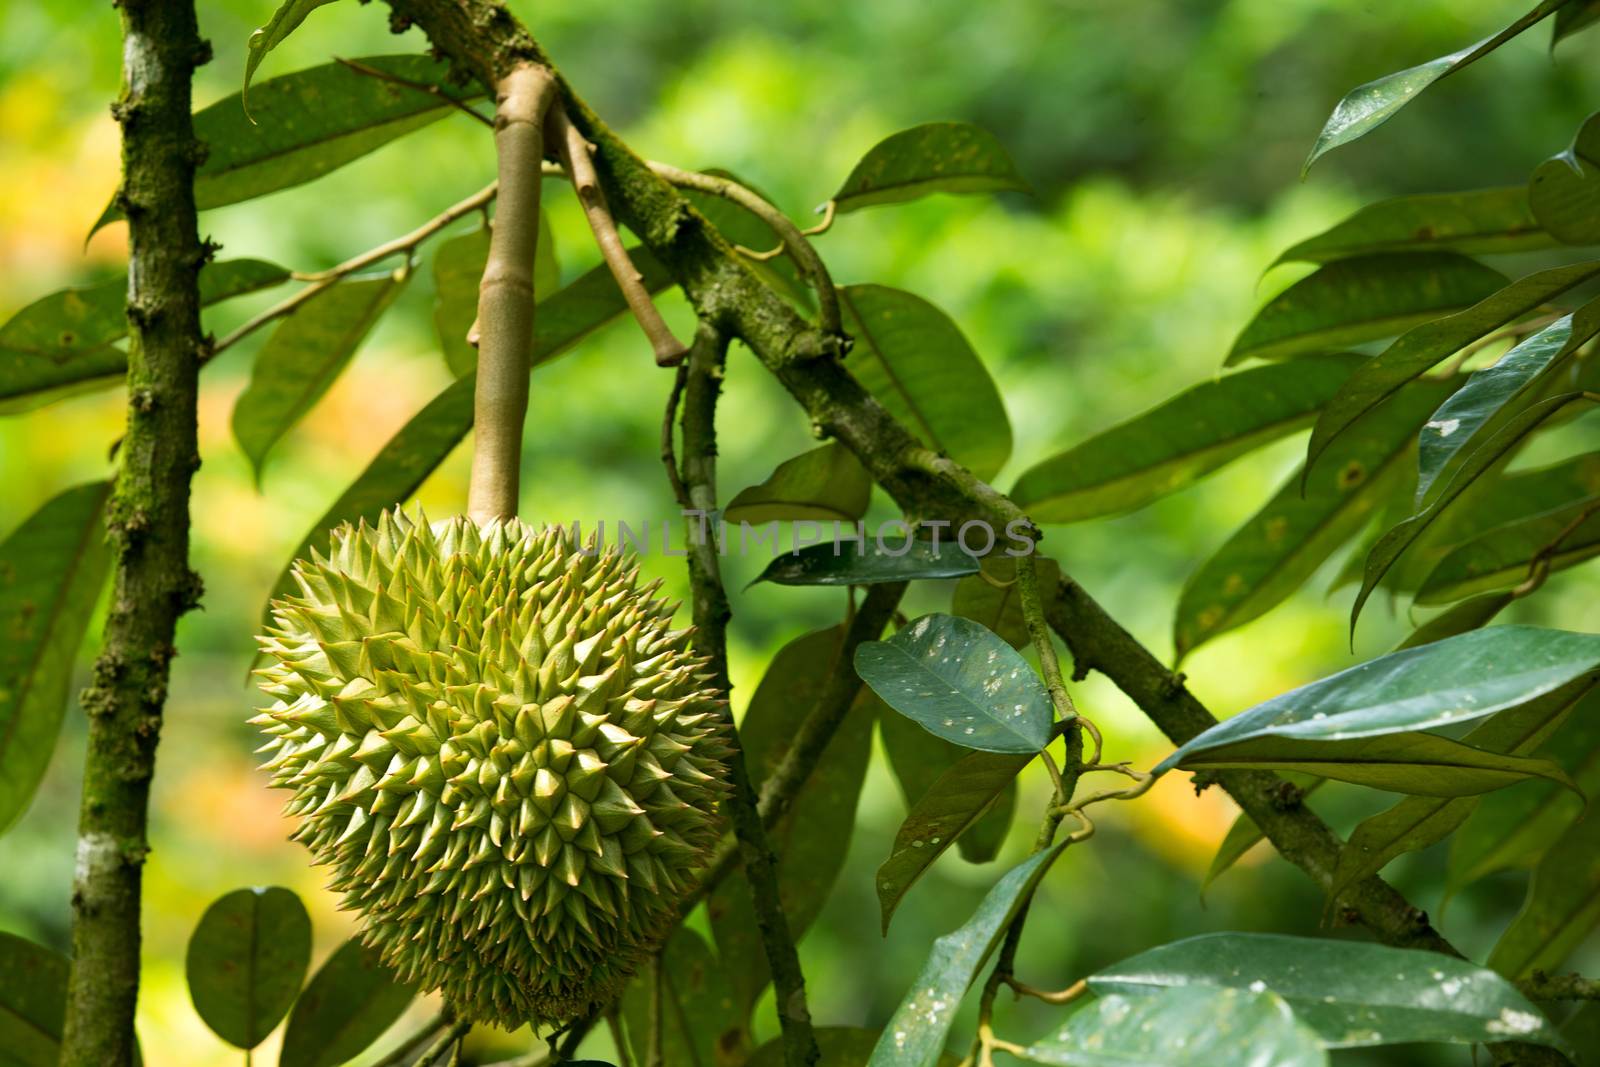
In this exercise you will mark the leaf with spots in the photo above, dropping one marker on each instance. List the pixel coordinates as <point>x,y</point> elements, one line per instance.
<point>246,960</point>
<point>959,681</point>
<point>826,484</point>
<point>1479,222</point>
<point>351,1000</point>
<point>937,157</point>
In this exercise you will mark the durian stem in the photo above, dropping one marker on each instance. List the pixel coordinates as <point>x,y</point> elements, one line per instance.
<point>505,296</point>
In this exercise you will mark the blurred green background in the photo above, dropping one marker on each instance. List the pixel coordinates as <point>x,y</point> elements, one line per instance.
<point>1164,139</point>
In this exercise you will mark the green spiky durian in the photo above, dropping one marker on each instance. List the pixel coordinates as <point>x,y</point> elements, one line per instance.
<point>510,760</point>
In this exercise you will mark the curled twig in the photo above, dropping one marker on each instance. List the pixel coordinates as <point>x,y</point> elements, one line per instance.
<point>1061,996</point>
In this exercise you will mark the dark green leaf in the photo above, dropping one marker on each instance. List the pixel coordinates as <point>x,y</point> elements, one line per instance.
<point>1279,548</point>
<point>959,681</point>
<point>1179,442</point>
<point>351,1000</point>
<point>246,960</point>
<point>841,1046</point>
<point>1504,556</point>
<point>284,21</point>
<point>457,270</point>
<point>1483,221</point>
<point>1564,191</point>
<point>1562,906</point>
<point>52,569</point>
<point>914,360</point>
<point>1185,1026</point>
<point>939,157</point>
<point>915,1035</point>
<point>1352,993</point>
<point>876,560</point>
<point>1467,615</point>
<point>1244,835</point>
<point>953,804</point>
<point>826,484</point>
<point>1575,16</point>
<point>1423,346</point>
<point>1368,106</point>
<point>999,607</point>
<point>33,1002</point>
<point>1364,298</point>
<point>310,123</point>
<point>304,356</point>
<point>699,1017</point>
<point>918,759</point>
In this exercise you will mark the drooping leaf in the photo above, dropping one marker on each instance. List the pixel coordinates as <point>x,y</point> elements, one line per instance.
<point>33,1002</point>
<point>1364,298</point>
<point>938,157</point>
<point>1244,834</point>
<point>1504,556</point>
<point>1564,191</point>
<point>1279,548</point>
<point>52,569</point>
<point>918,759</point>
<point>1423,346</point>
<point>1366,107</point>
<point>1574,17</point>
<point>246,960</point>
<point>1183,1026</point>
<point>1480,222</point>
<point>1352,993</point>
<point>304,356</point>
<point>698,1008</point>
<point>870,562</point>
<point>310,123</point>
<point>960,682</point>
<point>826,484</point>
<point>841,1046</point>
<point>1180,441</point>
<point>916,1033</point>
<point>955,802</point>
<point>457,270</point>
<point>1467,615</point>
<point>284,21</point>
<point>914,360</point>
<point>351,1000</point>
<point>1562,906</point>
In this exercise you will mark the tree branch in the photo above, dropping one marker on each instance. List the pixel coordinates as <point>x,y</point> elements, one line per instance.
<point>1541,986</point>
<point>147,521</point>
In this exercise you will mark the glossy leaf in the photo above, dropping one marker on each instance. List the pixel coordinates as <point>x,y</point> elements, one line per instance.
<point>351,1000</point>
<point>284,21</point>
<point>1366,107</point>
<point>1244,835</point>
<point>938,157</point>
<point>304,356</point>
<point>1415,351</point>
<point>310,123</point>
<point>246,960</point>
<point>1562,906</point>
<point>1185,1026</point>
<point>1480,222</point>
<point>698,1005</point>
<point>1504,556</point>
<point>1352,993</point>
<point>1180,441</point>
<point>826,484</point>
<point>918,759</point>
<point>33,1002</point>
<point>1279,548</point>
<point>1364,298</point>
<point>914,360</point>
<point>895,559</point>
<point>841,1046</point>
<point>997,604</point>
<point>52,569</point>
<point>952,805</point>
<point>916,1033</point>
<point>961,682</point>
<point>457,270</point>
<point>1564,191</point>
<point>1467,615</point>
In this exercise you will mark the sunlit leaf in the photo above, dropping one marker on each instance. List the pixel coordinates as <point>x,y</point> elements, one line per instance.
<point>246,960</point>
<point>918,759</point>
<point>33,1002</point>
<point>826,484</point>
<point>960,682</point>
<point>886,559</point>
<point>284,21</point>
<point>1180,441</point>
<point>351,1000</point>
<point>697,1002</point>
<point>1562,906</point>
<point>1564,191</point>
<point>914,360</point>
<point>1480,222</point>
<point>916,1033</point>
<point>457,270</point>
<point>939,157</point>
<point>1364,298</point>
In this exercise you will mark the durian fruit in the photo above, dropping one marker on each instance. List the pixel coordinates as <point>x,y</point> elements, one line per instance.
<point>508,758</point>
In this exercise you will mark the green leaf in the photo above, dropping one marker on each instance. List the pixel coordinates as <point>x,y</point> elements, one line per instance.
<point>1564,191</point>
<point>1279,548</point>
<point>698,1009</point>
<point>959,681</point>
<point>52,569</point>
<point>1573,17</point>
<point>874,561</point>
<point>304,356</point>
<point>1368,106</point>
<point>915,1035</point>
<point>826,484</point>
<point>1562,906</point>
<point>956,801</point>
<point>246,960</point>
<point>1352,993</point>
<point>308,124</point>
<point>33,1002</point>
<point>1467,615</point>
<point>918,759</point>
<point>999,606</point>
<point>1364,298</point>
<point>914,360</point>
<point>1180,441</point>
<point>1244,835</point>
<point>841,1046</point>
<point>1480,222</point>
<point>1423,346</point>
<point>351,1000</point>
<point>66,339</point>
<point>284,21</point>
<point>1185,1026</point>
<point>457,270</point>
<point>938,157</point>
<point>1396,541</point>
<point>1503,557</point>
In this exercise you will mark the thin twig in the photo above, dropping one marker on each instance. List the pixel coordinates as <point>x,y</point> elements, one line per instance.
<point>1062,996</point>
<point>421,87</point>
<point>657,1020</point>
<point>1539,565</point>
<point>822,227</point>
<point>669,429</point>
